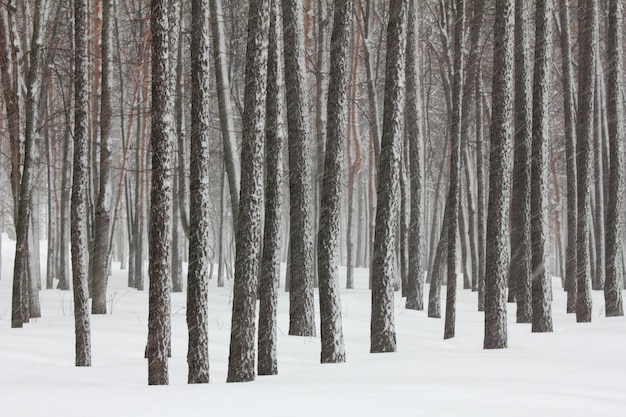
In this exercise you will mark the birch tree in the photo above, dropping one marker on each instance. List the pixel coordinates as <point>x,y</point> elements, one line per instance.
<point>102,221</point>
<point>414,135</point>
<point>382,328</point>
<point>614,304</point>
<point>301,302</point>
<point>570,155</point>
<point>587,44</point>
<point>541,280</point>
<point>270,263</point>
<point>199,182</point>
<point>519,268</point>
<point>160,200</point>
<point>333,349</point>
<point>80,185</point>
<point>496,257</point>
<point>249,224</point>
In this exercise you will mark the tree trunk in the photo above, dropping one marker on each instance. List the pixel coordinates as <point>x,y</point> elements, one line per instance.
<point>587,23</point>
<point>333,348</point>
<point>80,184</point>
<point>301,303</point>
<point>102,221</point>
<point>496,258</point>
<point>599,207</point>
<point>249,226</point>
<point>382,329</point>
<point>570,151</point>
<point>160,228</point>
<point>541,279</point>
<point>270,263</point>
<point>21,278</point>
<point>520,266</point>
<point>414,136</point>
<point>199,183</point>
<point>614,305</point>
<point>455,170</point>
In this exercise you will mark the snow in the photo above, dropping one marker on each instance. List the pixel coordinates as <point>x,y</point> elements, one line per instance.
<point>579,370</point>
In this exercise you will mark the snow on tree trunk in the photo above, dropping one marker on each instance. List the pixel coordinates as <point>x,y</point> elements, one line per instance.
<point>80,185</point>
<point>587,40</point>
<point>496,258</point>
<point>249,223</point>
<point>270,263</point>
<point>455,169</point>
<point>333,349</point>
<point>541,279</point>
<point>570,156</point>
<point>519,268</point>
<point>382,270</point>
<point>413,135</point>
<point>160,229</point>
<point>301,302</point>
<point>615,103</point>
<point>199,184</point>
<point>102,221</point>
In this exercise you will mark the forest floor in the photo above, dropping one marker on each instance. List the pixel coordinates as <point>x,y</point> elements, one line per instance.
<point>578,370</point>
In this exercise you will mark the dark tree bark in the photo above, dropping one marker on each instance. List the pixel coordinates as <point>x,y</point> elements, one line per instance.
<point>160,225</point>
<point>249,226</point>
<point>541,279</point>
<point>21,278</point>
<point>615,104</point>
<point>519,268</point>
<point>496,258</point>
<point>455,169</point>
<point>301,303</point>
<point>80,185</point>
<point>270,263</point>
<point>570,151</point>
<point>414,136</point>
<point>382,329</point>
<point>102,221</point>
<point>333,349</point>
<point>199,184</point>
<point>587,43</point>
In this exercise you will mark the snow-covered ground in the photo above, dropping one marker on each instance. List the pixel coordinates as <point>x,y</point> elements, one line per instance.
<point>579,370</point>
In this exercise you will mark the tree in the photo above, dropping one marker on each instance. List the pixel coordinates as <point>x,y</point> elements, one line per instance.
<point>382,329</point>
<point>301,302</point>
<point>270,263</point>
<point>22,277</point>
<point>333,349</point>
<point>231,158</point>
<point>160,200</point>
<point>496,257</point>
<point>615,103</point>
<point>454,189</point>
<point>414,136</point>
<point>80,184</point>
<point>249,224</point>
<point>199,222</point>
<point>519,269</point>
<point>541,280</point>
<point>570,155</point>
<point>102,221</point>
<point>587,44</point>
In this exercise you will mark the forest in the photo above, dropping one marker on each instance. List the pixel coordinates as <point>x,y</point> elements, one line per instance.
<point>299,146</point>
